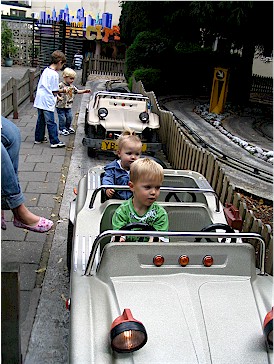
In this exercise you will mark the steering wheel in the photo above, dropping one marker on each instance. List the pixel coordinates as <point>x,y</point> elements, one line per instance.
<point>170,194</point>
<point>137,225</point>
<point>214,227</point>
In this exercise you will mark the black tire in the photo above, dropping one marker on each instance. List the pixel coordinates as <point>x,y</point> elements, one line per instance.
<point>150,135</point>
<point>153,138</point>
<point>92,152</point>
<point>86,122</point>
<point>90,131</point>
<point>69,244</point>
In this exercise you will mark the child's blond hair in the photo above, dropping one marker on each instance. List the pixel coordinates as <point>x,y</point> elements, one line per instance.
<point>146,167</point>
<point>69,72</point>
<point>127,135</point>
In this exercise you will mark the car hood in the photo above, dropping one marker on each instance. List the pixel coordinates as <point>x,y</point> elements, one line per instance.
<point>124,118</point>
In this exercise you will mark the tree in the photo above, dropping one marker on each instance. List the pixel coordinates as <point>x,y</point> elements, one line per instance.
<point>244,25</point>
<point>170,18</point>
<point>247,25</point>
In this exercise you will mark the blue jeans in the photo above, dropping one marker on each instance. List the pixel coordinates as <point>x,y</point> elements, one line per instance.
<point>46,118</point>
<point>11,195</point>
<point>65,118</point>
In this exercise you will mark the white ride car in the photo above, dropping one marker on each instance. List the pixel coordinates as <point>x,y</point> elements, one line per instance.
<point>109,113</point>
<point>197,299</point>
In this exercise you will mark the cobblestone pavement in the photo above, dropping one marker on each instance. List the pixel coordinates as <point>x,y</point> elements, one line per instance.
<point>42,174</point>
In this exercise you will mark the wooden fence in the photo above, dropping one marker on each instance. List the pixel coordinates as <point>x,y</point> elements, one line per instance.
<point>262,90</point>
<point>181,154</point>
<point>15,92</point>
<point>102,66</point>
<point>262,84</point>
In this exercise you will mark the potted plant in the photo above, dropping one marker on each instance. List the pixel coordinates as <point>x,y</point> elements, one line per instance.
<point>8,47</point>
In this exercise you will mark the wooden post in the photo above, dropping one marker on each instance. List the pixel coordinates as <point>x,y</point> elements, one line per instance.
<point>10,312</point>
<point>84,73</point>
<point>15,100</point>
<point>31,86</point>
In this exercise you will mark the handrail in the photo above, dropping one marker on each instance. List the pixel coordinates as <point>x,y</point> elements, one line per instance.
<point>109,233</point>
<point>162,189</point>
<point>124,94</point>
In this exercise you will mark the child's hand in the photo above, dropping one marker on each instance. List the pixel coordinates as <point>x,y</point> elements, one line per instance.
<point>87,91</point>
<point>110,192</point>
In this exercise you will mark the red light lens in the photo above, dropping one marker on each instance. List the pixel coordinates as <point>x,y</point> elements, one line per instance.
<point>183,260</point>
<point>68,304</point>
<point>208,261</point>
<point>123,104</point>
<point>158,260</point>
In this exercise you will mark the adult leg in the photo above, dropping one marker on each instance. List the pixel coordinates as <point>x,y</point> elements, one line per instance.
<point>40,126</point>
<point>13,198</point>
<point>11,195</point>
<point>52,127</point>
<point>11,139</point>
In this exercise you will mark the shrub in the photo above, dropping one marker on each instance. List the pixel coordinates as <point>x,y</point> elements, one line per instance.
<point>151,79</point>
<point>149,50</point>
<point>8,48</point>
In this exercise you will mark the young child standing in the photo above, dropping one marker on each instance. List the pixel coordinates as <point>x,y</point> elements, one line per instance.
<point>45,101</point>
<point>146,177</point>
<point>117,172</point>
<point>64,102</point>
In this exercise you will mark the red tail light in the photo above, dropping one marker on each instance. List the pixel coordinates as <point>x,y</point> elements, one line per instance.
<point>68,304</point>
<point>183,260</point>
<point>268,329</point>
<point>127,334</point>
<point>158,260</point>
<point>208,261</point>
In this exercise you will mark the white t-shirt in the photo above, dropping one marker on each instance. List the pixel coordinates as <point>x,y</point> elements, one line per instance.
<point>49,81</point>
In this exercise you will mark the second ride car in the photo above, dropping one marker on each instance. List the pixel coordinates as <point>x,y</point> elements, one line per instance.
<point>108,114</point>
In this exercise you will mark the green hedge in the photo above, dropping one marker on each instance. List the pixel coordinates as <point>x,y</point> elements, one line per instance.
<point>151,78</point>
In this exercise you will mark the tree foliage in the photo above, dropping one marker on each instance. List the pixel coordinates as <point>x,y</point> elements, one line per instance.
<point>8,47</point>
<point>244,25</point>
<point>240,22</point>
<point>148,50</point>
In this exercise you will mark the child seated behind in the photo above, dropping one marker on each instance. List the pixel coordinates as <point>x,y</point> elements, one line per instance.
<point>146,177</point>
<point>117,172</point>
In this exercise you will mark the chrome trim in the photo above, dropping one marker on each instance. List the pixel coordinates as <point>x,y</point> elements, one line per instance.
<point>168,189</point>
<point>109,233</point>
<point>75,253</point>
<point>83,253</point>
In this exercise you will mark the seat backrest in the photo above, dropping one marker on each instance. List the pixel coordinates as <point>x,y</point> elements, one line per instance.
<point>106,220</point>
<point>175,181</point>
<point>187,218</point>
<point>182,217</point>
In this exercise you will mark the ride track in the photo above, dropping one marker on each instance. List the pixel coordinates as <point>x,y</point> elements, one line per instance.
<point>248,169</point>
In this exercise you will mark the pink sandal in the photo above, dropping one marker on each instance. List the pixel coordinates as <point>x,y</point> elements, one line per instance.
<point>42,226</point>
<point>3,223</point>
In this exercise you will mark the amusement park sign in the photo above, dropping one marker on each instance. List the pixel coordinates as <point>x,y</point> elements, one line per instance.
<point>93,32</point>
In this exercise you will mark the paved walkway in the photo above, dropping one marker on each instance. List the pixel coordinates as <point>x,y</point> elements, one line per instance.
<point>42,174</point>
